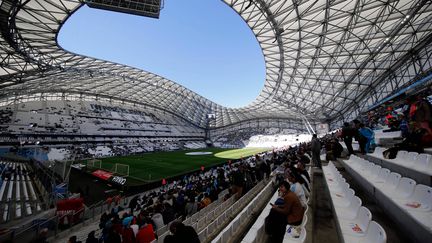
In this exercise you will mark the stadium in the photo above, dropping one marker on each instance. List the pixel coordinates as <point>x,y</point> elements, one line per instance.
<point>337,146</point>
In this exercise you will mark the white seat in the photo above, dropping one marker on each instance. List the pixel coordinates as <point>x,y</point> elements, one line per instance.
<point>374,234</point>
<point>350,212</point>
<point>342,199</point>
<point>409,159</point>
<point>378,152</point>
<point>404,189</point>
<point>338,188</point>
<point>235,225</point>
<point>201,223</point>
<point>382,176</point>
<point>374,174</point>
<point>368,169</point>
<point>203,235</point>
<point>421,199</point>
<point>162,237</point>
<point>401,155</point>
<point>358,226</point>
<point>423,163</point>
<point>391,183</point>
<point>301,238</point>
<point>225,236</point>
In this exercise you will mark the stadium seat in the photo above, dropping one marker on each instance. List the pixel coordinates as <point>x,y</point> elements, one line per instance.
<point>226,235</point>
<point>338,188</point>
<point>3,188</point>
<point>401,155</point>
<point>344,198</point>
<point>350,212</point>
<point>420,200</point>
<point>374,174</point>
<point>161,238</point>
<point>357,226</point>
<point>212,227</point>
<point>423,162</point>
<point>378,152</point>
<point>302,237</point>
<point>382,176</point>
<point>391,183</point>
<point>404,189</point>
<point>375,233</point>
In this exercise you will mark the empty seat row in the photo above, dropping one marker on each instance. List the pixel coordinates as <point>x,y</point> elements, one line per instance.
<point>413,199</point>
<point>201,219</point>
<point>238,223</point>
<point>412,160</point>
<point>354,220</point>
<point>238,208</point>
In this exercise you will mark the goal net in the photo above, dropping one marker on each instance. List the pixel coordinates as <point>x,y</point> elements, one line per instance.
<point>121,169</point>
<point>94,163</point>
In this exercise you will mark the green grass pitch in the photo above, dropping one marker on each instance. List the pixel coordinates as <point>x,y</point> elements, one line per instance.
<point>155,166</point>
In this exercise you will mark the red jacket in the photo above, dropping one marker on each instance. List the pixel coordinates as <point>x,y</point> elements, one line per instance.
<point>145,234</point>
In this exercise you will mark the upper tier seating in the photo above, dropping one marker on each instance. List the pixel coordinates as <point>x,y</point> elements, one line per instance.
<point>17,194</point>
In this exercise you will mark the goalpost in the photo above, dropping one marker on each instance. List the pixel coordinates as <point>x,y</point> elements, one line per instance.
<point>121,169</point>
<point>95,163</point>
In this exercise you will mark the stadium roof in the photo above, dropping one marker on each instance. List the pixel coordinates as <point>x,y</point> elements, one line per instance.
<point>324,58</point>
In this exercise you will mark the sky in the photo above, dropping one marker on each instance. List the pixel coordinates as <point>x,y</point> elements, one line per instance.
<point>201,44</point>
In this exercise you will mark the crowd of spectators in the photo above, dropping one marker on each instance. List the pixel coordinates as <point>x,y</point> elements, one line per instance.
<point>413,118</point>
<point>149,212</point>
<point>294,190</point>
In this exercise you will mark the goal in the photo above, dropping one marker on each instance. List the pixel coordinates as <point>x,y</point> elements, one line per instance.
<point>94,163</point>
<point>121,169</point>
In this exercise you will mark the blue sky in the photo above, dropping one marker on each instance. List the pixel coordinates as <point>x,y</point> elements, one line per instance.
<point>201,44</point>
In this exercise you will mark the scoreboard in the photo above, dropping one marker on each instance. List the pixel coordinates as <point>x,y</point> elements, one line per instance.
<point>147,8</point>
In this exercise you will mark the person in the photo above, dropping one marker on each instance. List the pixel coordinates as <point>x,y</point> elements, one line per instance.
<point>348,132</point>
<point>289,212</point>
<point>296,187</point>
<point>316,149</point>
<point>113,236</point>
<point>181,233</point>
<point>421,114</point>
<point>206,200</point>
<point>362,140</point>
<point>369,135</point>
<point>403,126</point>
<point>127,233</point>
<point>146,233</point>
<point>304,173</point>
<point>191,206</point>
<point>42,237</point>
<point>91,237</point>
<point>238,182</point>
<point>73,239</point>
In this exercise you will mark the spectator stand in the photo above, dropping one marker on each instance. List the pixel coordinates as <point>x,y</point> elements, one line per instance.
<point>408,164</point>
<point>257,233</point>
<point>408,204</point>
<point>239,214</point>
<point>354,222</point>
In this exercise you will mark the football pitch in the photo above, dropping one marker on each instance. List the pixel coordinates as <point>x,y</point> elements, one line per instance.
<point>155,166</point>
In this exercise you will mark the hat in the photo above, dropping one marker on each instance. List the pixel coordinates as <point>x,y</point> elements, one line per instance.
<point>127,220</point>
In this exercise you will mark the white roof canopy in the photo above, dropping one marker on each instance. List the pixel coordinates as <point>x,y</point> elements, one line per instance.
<point>324,58</point>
